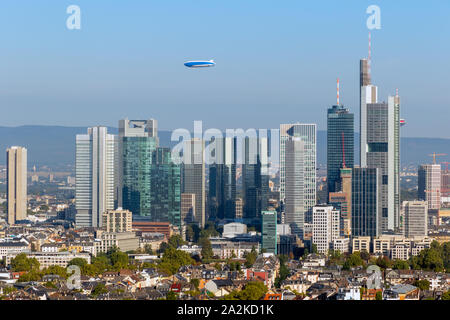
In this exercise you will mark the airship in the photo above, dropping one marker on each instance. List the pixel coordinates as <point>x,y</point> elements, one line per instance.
<point>402,122</point>
<point>200,64</point>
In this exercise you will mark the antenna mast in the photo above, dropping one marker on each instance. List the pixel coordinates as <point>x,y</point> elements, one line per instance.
<point>337,92</point>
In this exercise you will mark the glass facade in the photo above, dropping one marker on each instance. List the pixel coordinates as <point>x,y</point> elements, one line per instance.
<point>340,144</point>
<point>365,202</point>
<point>269,231</point>
<point>151,181</point>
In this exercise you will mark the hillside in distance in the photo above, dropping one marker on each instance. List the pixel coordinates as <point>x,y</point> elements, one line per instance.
<point>54,146</point>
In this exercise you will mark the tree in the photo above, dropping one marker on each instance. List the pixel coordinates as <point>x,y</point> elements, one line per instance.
<point>446,296</point>
<point>190,235</point>
<point>171,296</point>
<point>384,262</point>
<point>400,265</point>
<point>379,295</point>
<point>100,288</point>
<point>314,248</point>
<point>22,263</point>
<point>284,271</point>
<point>195,283</point>
<point>207,252</point>
<point>119,259</point>
<point>365,255</point>
<point>250,258</point>
<point>80,262</point>
<point>422,284</point>
<point>353,260</point>
<point>254,290</point>
<point>176,241</point>
<point>57,270</point>
<point>173,259</point>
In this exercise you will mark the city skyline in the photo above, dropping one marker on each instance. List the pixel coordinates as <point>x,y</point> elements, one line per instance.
<point>149,79</point>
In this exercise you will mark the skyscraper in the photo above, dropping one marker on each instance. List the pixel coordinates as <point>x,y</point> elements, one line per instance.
<point>222,180</point>
<point>165,189</point>
<point>255,179</point>
<point>326,227</point>
<point>307,134</point>
<point>294,164</point>
<point>340,144</point>
<point>96,154</point>
<point>366,203</point>
<point>269,231</point>
<point>429,183</point>
<point>137,143</point>
<point>193,177</point>
<point>416,218</point>
<point>137,140</point>
<point>380,145</point>
<point>16,183</point>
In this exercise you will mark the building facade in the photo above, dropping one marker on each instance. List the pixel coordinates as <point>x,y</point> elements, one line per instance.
<point>16,183</point>
<point>96,156</point>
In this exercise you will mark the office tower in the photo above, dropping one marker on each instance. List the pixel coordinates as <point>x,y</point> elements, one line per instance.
<point>137,143</point>
<point>340,144</point>
<point>429,183</point>
<point>187,208</point>
<point>16,183</point>
<point>298,174</point>
<point>341,202</point>
<point>294,164</point>
<point>165,189</point>
<point>416,218</point>
<point>382,151</point>
<point>366,203</point>
<point>95,170</point>
<point>222,180</point>
<point>239,208</point>
<point>137,140</point>
<point>255,177</point>
<point>380,144</point>
<point>325,225</point>
<point>193,177</point>
<point>117,220</point>
<point>269,231</point>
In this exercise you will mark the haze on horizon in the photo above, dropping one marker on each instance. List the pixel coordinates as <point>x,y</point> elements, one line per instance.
<point>275,64</point>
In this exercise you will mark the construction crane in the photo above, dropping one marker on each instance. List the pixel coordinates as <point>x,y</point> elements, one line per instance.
<point>434,155</point>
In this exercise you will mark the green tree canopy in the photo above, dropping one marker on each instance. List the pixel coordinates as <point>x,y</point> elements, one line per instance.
<point>22,263</point>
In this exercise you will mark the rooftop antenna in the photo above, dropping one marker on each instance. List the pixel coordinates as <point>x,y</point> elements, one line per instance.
<point>337,92</point>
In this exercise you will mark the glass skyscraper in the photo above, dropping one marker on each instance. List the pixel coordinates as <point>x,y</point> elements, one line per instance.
<point>340,144</point>
<point>222,180</point>
<point>366,220</point>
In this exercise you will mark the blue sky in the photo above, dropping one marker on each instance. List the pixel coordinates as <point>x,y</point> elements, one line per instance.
<point>277,61</point>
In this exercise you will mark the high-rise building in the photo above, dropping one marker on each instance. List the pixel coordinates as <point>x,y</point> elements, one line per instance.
<point>96,155</point>
<point>187,208</point>
<point>222,180</point>
<point>340,144</point>
<point>137,140</point>
<point>380,145</point>
<point>16,183</point>
<point>429,183</point>
<point>366,203</point>
<point>326,227</point>
<point>340,201</point>
<point>117,220</point>
<point>193,177</point>
<point>137,144</point>
<point>416,218</point>
<point>295,206</point>
<point>165,189</point>
<point>307,133</point>
<point>255,177</point>
<point>269,231</point>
